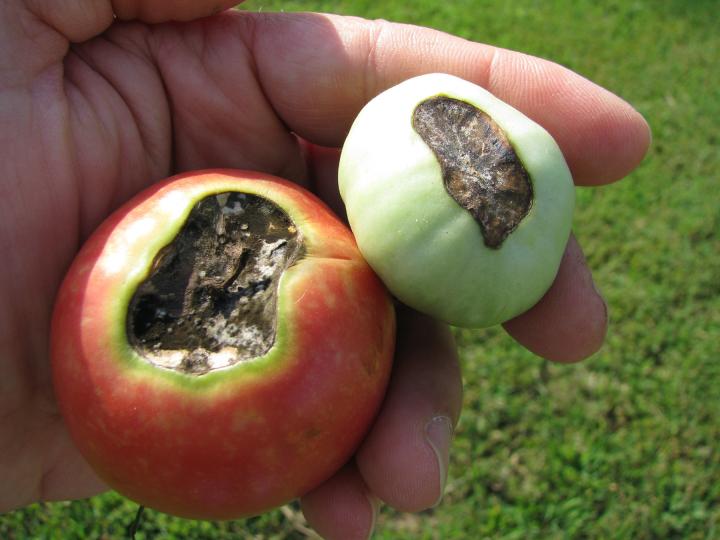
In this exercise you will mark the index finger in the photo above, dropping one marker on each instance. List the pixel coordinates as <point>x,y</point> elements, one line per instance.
<point>320,70</point>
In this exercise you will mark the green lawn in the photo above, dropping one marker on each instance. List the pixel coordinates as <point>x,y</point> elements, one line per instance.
<point>624,445</point>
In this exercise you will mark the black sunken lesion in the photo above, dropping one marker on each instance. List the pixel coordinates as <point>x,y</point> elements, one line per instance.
<point>480,168</point>
<point>210,298</point>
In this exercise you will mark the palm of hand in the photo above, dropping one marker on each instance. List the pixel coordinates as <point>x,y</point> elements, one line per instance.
<point>102,127</point>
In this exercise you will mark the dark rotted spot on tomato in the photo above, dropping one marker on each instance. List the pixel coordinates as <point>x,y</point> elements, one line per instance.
<point>480,168</point>
<point>210,299</point>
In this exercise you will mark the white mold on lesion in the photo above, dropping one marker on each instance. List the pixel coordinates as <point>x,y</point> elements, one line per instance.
<point>211,299</point>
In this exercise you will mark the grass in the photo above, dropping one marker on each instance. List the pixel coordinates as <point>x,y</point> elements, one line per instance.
<point>624,445</point>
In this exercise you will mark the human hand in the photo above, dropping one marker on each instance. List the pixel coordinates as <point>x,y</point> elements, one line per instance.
<point>84,128</point>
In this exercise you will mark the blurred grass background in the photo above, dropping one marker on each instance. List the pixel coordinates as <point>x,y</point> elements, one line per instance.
<point>624,445</point>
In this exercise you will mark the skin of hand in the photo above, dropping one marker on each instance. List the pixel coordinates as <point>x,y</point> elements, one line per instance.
<point>100,98</point>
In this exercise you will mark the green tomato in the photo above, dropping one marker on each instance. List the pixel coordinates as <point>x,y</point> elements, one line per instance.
<point>460,203</point>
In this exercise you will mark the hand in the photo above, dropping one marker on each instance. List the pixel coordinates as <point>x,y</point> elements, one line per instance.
<point>85,127</point>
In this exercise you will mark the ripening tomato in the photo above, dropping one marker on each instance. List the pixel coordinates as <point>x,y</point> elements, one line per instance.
<point>219,345</point>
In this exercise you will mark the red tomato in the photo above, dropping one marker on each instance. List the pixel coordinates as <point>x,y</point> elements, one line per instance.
<point>233,440</point>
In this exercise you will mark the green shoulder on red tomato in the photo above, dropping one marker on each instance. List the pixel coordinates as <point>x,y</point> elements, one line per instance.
<point>220,346</point>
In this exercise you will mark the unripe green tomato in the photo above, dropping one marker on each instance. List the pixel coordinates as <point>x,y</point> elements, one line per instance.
<point>459,202</point>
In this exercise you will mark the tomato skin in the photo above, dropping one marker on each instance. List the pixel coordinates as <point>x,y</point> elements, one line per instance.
<point>242,440</point>
<point>428,249</point>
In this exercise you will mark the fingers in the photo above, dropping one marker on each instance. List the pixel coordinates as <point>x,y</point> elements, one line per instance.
<point>67,475</point>
<point>602,137</point>
<point>570,321</point>
<point>80,20</point>
<point>154,11</point>
<point>404,459</point>
<point>76,21</point>
<point>319,70</point>
<point>341,508</point>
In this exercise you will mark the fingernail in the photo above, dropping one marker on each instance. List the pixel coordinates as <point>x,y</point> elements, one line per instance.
<point>375,506</point>
<point>602,299</point>
<point>438,433</point>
